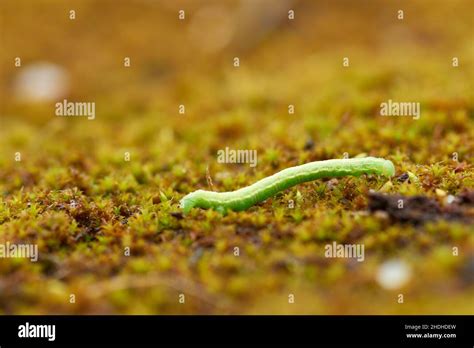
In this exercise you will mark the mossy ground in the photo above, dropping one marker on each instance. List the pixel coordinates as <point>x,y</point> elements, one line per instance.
<point>74,195</point>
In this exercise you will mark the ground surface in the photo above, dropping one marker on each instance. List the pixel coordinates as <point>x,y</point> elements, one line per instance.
<point>75,196</point>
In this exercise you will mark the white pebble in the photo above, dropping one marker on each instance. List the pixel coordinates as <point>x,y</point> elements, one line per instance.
<point>393,274</point>
<point>450,199</point>
<point>40,82</point>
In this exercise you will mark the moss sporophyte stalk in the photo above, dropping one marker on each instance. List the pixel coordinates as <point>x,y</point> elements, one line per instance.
<point>246,197</point>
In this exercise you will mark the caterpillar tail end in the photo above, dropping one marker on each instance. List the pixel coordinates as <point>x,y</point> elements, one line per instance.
<point>388,169</point>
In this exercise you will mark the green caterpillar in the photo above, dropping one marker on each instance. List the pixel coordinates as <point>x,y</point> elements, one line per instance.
<point>246,197</point>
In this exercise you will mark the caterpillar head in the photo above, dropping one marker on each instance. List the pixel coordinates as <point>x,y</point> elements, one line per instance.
<point>190,201</point>
<point>186,203</point>
<point>199,199</point>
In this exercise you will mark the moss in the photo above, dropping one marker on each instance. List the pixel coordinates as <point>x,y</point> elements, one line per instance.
<point>75,195</point>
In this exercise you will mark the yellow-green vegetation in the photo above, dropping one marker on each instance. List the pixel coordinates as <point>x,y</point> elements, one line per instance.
<point>88,191</point>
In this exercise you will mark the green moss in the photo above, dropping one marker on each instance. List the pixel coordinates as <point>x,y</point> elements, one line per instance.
<point>76,196</point>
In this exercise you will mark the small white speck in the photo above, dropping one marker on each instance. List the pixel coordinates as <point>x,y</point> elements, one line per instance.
<point>393,274</point>
<point>41,81</point>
